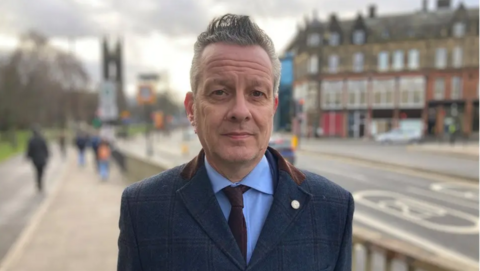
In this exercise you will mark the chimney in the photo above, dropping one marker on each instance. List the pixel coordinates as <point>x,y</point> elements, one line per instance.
<point>443,4</point>
<point>425,5</point>
<point>372,11</point>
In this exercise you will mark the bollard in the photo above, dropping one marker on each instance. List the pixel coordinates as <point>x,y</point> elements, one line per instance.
<point>184,149</point>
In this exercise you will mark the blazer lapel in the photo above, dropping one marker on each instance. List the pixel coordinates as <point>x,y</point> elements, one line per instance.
<point>281,216</point>
<point>200,201</point>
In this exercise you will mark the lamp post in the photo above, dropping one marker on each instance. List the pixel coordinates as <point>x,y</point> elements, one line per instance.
<point>146,97</point>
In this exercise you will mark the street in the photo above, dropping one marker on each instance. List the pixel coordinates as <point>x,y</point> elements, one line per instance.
<point>441,217</point>
<point>18,195</point>
<point>434,214</point>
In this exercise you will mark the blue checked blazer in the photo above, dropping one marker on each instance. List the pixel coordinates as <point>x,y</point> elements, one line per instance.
<point>172,221</point>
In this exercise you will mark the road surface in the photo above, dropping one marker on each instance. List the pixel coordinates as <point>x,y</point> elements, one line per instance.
<point>434,214</point>
<point>19,197</point>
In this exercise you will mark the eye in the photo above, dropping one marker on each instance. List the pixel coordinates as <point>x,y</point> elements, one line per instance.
<point>219,92</point>
<point>257,93</point>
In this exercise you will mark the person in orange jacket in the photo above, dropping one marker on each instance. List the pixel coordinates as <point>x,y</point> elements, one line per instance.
<point>104,154</point>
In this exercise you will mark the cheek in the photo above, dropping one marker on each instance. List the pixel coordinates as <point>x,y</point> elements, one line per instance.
<point>208,117</point>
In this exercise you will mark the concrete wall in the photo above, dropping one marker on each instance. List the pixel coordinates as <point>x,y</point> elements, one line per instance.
<point>139,168</point>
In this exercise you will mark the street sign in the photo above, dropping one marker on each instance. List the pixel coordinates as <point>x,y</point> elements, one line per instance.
<point>108,109</point>
<point>149,77</point>
<point>145,94</point>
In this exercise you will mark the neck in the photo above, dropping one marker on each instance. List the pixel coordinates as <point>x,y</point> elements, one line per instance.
<point>234,172</point>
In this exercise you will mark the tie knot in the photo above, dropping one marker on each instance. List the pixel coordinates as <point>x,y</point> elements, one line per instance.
<point>235,194</point>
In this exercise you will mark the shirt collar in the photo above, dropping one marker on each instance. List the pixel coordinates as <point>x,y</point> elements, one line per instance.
<point>260,178</point>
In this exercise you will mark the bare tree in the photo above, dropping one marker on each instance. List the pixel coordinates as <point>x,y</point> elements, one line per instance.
<point>39,83</point>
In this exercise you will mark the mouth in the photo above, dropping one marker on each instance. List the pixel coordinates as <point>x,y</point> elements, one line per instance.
<point>240,135</point>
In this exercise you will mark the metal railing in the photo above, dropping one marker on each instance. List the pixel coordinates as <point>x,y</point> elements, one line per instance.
<point>393,250</point>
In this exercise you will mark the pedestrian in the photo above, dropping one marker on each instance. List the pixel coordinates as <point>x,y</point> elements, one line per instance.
<point>81,142</point>
<point>38,153</point>
<point>95,143</point>
<point>62,143</point>
<point>104,154</point>
<point>452,130</point>
<point>239,204</point>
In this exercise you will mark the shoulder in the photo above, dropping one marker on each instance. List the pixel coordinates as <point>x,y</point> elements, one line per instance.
<point>158,186</point>
<point>322,189</point>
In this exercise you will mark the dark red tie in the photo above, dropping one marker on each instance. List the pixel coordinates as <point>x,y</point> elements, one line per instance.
<point>236,220</point>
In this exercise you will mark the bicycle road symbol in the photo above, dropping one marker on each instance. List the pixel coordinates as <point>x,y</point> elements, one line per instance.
<point>422,213</point>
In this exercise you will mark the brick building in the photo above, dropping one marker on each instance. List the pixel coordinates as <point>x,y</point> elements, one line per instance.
<point>367,75</point>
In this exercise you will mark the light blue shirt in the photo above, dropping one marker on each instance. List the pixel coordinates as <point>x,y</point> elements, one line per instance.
<point>256,201</point>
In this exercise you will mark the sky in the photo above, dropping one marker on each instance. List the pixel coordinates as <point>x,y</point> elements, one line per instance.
<point>158,35</point>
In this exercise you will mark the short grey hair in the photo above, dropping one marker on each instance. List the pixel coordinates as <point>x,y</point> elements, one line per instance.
<point>237,30</point>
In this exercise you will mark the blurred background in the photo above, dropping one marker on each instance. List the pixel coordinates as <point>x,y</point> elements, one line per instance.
<point>380,97</point>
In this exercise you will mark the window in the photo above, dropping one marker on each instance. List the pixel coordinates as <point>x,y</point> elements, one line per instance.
<point>413,59</point>
<point>357,93</point>
<point>456,88</point>
<point>412,91</point>
<point>458,29</point>
<point>333,62</point>
<point>439,89</point>
<point>332,94</point>
<point>457,57</point>
<point>311,101</point>
<point>313,39</point>
<point>383,93</point>
<point>313,65</point>
<point>334,39</point>
<point>398,60</point>
<point>358,62</point>
<point>358,37</point>
<point>383,61</point>
<point>441,58</point>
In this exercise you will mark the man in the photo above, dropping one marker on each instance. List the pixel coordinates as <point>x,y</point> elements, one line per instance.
<point>238,205</point>
<point>62,143</point>
<point>95,141</point>
<point>81,141</point>
<point>37,152</point>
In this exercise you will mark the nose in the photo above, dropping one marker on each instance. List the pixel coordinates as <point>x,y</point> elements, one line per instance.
<point>239,111</point>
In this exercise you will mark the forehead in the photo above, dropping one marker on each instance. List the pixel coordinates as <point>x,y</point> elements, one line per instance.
<point>253,58</point>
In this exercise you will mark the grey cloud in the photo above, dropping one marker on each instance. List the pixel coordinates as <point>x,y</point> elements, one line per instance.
<point>51,17</point>
<point>173,18</point>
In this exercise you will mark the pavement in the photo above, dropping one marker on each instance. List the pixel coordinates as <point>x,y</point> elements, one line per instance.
<point>466,150</point>
<point>19,198</point>
<point>75,228</point>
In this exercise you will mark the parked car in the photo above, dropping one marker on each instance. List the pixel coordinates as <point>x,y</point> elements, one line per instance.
<point>399,136</point>
<point>285,147</point>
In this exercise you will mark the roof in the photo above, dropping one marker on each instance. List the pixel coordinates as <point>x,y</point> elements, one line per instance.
<point>418,25</point>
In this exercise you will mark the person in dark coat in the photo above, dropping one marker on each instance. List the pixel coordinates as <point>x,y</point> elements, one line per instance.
<point>81,141</point>
<point>38,153</point>
<point>95,141</point>
<point>62,143</point>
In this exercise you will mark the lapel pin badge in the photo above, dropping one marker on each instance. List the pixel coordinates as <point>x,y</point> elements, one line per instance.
<point>295,204</point>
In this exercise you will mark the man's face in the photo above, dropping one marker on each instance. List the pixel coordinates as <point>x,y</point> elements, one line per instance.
<point>234,104</point>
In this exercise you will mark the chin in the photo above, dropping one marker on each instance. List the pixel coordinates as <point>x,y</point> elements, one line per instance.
<point>237,154</point>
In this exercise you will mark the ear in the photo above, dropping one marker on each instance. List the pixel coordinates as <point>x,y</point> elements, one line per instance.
<point>275,103</point>
<point>188,103</point>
